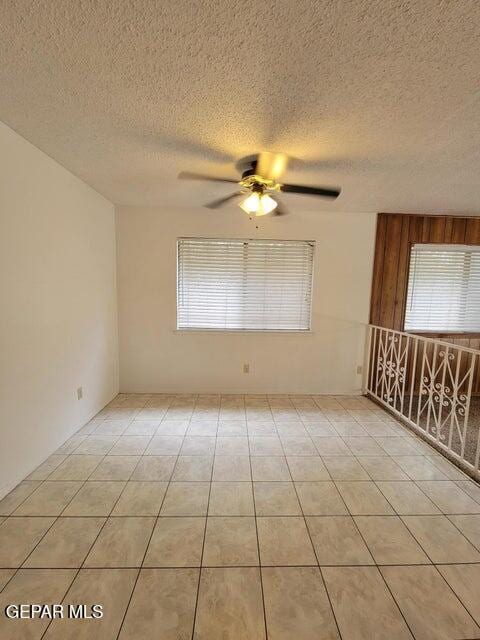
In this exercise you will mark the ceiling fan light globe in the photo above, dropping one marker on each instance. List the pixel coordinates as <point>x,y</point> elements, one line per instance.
<point>258,204</point>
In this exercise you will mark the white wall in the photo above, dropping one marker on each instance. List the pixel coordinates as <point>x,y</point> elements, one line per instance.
<point>154,357</point>
<point>58,326</point>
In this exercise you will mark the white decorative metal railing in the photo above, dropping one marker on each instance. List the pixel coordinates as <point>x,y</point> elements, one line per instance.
<point>429,384</point>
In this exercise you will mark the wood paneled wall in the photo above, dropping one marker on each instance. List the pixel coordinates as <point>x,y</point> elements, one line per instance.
<point>396,232</point>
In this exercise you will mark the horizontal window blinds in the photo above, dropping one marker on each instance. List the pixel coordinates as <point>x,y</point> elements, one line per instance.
<point>244,284</point>
<point>443,288</point>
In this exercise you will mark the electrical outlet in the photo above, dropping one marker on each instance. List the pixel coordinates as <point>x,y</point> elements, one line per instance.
<point>246,368</point>
<point>79,393</point>
<point>359,369</point>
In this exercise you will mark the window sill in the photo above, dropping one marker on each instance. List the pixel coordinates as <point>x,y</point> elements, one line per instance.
<point>277,332</point>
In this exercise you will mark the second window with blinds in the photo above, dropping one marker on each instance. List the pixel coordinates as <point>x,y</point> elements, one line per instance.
<point>244,285</point>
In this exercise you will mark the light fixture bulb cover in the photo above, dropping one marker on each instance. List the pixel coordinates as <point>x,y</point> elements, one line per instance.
<point>258,204</point>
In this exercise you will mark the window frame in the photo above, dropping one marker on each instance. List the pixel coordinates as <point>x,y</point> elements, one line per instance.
<point>431,334</point>
<point>306,332</point>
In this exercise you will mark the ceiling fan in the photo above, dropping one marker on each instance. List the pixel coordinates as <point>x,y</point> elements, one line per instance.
<point>259,180</point>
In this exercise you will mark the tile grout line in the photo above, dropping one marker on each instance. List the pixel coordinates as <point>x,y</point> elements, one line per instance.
<point>316,557</point>
<point>194,621</point>
<point>265,624</point>
<point>140,567</point>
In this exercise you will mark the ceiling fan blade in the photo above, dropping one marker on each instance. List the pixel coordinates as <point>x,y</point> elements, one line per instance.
<point>271,165</point>
<point>311,191</point>
<point>187,175</point>
<point>221,201</point>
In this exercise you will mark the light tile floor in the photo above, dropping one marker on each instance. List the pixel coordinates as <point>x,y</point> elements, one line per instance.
<point>244,518</point>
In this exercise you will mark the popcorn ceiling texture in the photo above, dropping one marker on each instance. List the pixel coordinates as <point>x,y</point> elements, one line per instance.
<point>378,96</point>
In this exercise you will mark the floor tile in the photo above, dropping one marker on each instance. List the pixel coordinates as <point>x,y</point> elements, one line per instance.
<point>429,606</point>
<point>471,488</point>
<point>111,427</point>
<point>337,541</point>
<point>231,499</point>
<point>76,468</point>
<point>234,595</point>
<point>292,430</point>
<point>331,446</point>
<point>186,499</point>
<point>406,498</point>
<point>324,429</point>
<point>176,542</point>
<point>164,446</point>
<point>381,429</point>
<point>363,606</point>
<point>284,541</point>
<point>296,604</point>
<point>397,446</point>
<point>89,428</point>
<point>193,468</point>
<point>276,499</point>
<point>307,468</point>
<point>256,428</point>
<point>155,468</point>
<point>140,499</point>
<point>172,428</point>
<point>206,428</point>
<point>270,469</point>
<point>469,526</point>
<point>66,544</point>
<point>298,446</point>
<point>346,429</point>
<point>265,446</point>
<point>115,468</point>
<point>5,575</point>
<point>232,468</point>
<point>121,543</point>
<point>95,499</point>
<point>382,468</point>
<point>232,428</point>
<point>96,445</point>
<point>363,446</point>
<point>446,467</point>
<point>14,499</point>
<point>419,468</point>
<point>449,498</point>
<point>70,445</point>
<point>198,446</point>
<point>230,541</point>
<point>45,469</point>
<point>130,446</point>
<point>142,428</point>
<point>109,587</point>
<point>389,540</point>
<point>345,468</point>
<point>49,499</point>
<point>364,498</point>
<point>232,446</point>
<point>320,499</point>
<point>464,580</point>
<point>170,614</point>
<point>441,540</point>
<point>18,537</point>
<point>32,586</point>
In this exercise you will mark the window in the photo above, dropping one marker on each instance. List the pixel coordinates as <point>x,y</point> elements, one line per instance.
<point>443,289</point>
<point>245,285</point>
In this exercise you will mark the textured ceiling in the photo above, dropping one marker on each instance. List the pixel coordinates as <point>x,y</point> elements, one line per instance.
<point>380,97</point>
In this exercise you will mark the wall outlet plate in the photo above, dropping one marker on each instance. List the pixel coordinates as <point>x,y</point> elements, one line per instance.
<point>246,368</point>
<point>359,369</point>
<point>79,393</point>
